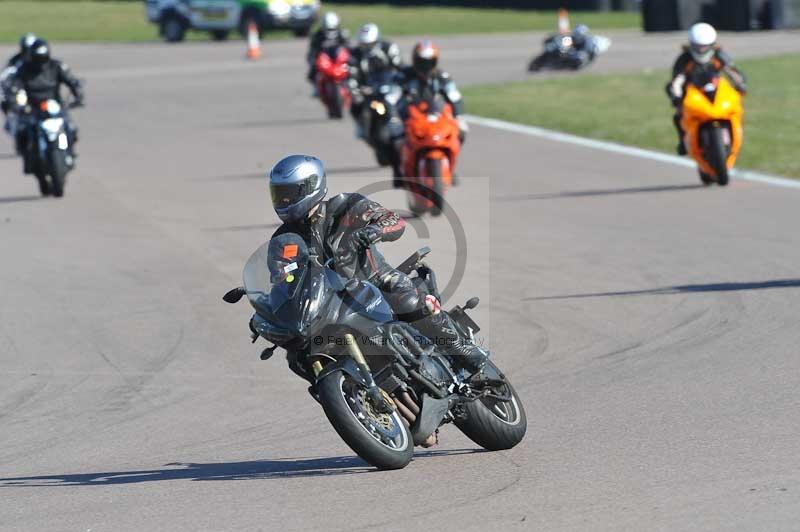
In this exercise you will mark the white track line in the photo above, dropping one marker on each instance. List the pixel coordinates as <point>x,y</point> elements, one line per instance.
<point>613,147</point>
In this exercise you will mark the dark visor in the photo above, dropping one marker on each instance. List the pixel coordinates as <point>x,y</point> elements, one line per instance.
<point>289,194</point>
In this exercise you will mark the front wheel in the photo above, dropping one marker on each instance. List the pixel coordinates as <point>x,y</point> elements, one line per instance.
<point>436,191</point>
<point>718,156</point>
<point>58,171</point>
<point>380,439</point>
<point>495,424</point>
<point>173,29</point>
<point>335,102</point>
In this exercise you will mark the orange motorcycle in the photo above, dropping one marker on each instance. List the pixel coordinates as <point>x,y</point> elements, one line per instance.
<point>712,120</point>
<point>428,155</point>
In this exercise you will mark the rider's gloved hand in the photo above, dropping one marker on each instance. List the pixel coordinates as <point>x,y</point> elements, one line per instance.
<point>367,236</point>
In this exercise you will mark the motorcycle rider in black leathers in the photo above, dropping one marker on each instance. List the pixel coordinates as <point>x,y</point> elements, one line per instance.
<point>583,46</point>
<point>42,77</point>
<point>369,55</point>
<point>329,35</point>
<point>703,56</point>
<point>346,228</point>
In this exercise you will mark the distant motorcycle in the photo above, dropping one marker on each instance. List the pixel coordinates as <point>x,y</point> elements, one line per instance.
<point>380,120</point>
<point>560,53</point>
<point>13,107</point>
<point>331,80</point>
<point>429,154</point>
<point>712,120</point>
<point>382,385</point>
<point>44,143</point>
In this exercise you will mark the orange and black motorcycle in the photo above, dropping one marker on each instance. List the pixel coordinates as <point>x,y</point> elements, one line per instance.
<point>429,153</point>
<point>712,121</point>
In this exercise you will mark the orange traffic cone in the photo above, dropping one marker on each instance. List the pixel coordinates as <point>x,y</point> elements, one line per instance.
<point>563,21</point>
<point>253,42</point>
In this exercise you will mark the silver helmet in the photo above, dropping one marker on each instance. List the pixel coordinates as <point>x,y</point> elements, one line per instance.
<point>297,184</point>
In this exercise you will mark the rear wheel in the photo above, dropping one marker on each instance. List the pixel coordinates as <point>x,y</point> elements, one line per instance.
<point>718,154</point>
<point>382,440</point>
<point>495,424</point>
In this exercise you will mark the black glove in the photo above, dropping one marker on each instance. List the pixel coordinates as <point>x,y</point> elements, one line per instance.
<point>366,236</point>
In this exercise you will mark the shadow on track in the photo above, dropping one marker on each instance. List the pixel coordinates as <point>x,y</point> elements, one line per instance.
<point>684,289</point>
<point>286,122</point>
<point>595,193</point>
<point>252,470</point>
<point>254,227</point>
<point>18,199</point>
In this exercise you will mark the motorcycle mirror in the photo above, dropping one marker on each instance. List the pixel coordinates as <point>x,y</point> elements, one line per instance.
<point>268,352</point>
<point>472,303</point>
<point>233,296</point>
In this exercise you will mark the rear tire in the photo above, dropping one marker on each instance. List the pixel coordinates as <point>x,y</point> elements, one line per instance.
<point>332,392</point>
<point>485,425</point>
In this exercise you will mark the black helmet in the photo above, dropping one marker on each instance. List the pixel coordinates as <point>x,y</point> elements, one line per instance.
<point>40,51</point>
<point>297,184</point>
<point>425,57</point>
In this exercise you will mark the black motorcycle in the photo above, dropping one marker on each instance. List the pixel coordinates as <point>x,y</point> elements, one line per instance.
<point>379,118</point>
<point>45,143</point>
<point>560,53</point>
<point>383,386</point>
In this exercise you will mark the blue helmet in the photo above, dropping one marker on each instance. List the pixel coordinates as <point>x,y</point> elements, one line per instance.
<point>297,184</point>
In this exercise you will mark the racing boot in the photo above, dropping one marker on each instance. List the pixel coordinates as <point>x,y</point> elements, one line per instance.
<point>440,329</point>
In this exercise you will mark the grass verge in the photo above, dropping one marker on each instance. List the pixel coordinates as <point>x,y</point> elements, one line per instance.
<point>633,109</point>
<point>85,20</point>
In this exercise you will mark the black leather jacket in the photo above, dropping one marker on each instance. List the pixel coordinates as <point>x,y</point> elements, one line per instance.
<point>329,233</point>
<point>440,83</point>
<point>42,81</point>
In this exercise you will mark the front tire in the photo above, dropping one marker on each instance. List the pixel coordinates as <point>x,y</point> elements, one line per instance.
<point>58,172</point>
<point>382,440</point>
<point>718,156</point>
<point>436,192</point>
<point>495,425</point>
<point>173,29</point>
<point>335,102</point>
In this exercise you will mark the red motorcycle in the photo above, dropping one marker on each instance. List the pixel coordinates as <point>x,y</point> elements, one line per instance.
<point>332,74</point>
<point>429,154</point>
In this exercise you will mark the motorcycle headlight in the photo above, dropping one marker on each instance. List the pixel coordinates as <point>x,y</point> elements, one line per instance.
<point>279,8</point>
<point>52,125</point>
<point>22,98</point>
<point>53,107</point>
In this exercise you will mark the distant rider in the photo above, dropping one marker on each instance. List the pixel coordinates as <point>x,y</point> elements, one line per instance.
<point>345,228</point>
<point>42,77</point>
<point>329,35</point>
<point>702,56</point>
<point>370,55</point>
<point>583,49</point>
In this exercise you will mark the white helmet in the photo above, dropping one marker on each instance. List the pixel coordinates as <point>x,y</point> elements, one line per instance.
<point>368,35</point>
<point>330,21</point>
<point>702,38</point>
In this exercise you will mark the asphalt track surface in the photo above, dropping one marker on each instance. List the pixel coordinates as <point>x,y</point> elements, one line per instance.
<point>650,325</point>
